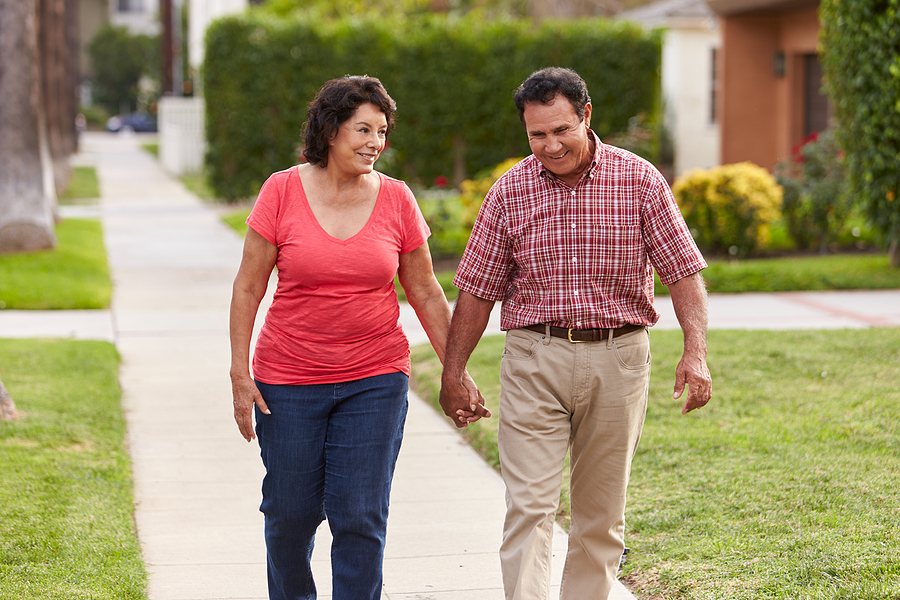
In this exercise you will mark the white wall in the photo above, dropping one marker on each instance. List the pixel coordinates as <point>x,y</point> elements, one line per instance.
<point>687,88</point>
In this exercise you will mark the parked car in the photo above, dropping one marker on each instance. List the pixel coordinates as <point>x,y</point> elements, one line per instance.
<point>138,121</point>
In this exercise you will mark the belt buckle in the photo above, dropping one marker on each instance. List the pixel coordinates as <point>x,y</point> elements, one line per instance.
<point>569,335</point>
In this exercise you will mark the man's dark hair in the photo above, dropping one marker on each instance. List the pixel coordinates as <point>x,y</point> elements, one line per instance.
<point>543,86</point>
<point>335,103</point>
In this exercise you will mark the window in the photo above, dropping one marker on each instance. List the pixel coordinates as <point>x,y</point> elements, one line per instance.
<point>815,102</point>
<point>130,5</point>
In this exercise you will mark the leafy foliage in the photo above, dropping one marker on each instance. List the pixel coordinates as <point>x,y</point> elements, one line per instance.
<point>452,78</point>
<point>861,63</point>
<point>120,59</point>
<point>816,203</point>
<point>729,208</point>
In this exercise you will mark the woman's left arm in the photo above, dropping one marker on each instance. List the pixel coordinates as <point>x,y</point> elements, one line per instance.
<point>425,295</point>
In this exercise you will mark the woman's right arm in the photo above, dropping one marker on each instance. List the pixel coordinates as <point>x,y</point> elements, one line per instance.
<point>249,288</point>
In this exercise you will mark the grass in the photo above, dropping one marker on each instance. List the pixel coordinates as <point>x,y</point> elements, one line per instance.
<point>236,220</point>
<point>198,185</point>
<point>152,148</point>
<point>66,508</point>
<point>73,275</point>
<point>784,487</point>
<point>806,273</point>
<point>83,186</point>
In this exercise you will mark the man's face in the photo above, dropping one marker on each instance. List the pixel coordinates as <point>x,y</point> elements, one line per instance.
<point>558,138</point>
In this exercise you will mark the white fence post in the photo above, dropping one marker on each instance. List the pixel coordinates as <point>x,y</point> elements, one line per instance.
<point>182,135</point>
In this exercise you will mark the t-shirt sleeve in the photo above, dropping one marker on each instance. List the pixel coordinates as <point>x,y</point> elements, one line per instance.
<point>415,229</point>
<point>263,218</point>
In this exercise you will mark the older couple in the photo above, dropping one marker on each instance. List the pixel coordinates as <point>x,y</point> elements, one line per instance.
<point>567,239</point>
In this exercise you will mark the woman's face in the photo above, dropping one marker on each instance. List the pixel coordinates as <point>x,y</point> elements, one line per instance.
<point>359,141</point>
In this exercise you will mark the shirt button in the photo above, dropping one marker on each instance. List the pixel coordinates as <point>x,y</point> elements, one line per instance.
<point>574,259</point>
<point>573,225</point>
<point>573,192</point>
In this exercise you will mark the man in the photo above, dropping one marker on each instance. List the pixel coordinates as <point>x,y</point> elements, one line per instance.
<point>568,240</point>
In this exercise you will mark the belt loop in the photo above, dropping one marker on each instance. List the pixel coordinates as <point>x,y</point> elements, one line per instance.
<point>609,338</point>
<point>547,330</point>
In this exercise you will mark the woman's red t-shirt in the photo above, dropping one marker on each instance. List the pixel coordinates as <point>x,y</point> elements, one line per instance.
<point>335,315</point>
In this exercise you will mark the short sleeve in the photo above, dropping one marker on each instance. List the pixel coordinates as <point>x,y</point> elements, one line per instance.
<point>263,218</point>
<point>671,248</point>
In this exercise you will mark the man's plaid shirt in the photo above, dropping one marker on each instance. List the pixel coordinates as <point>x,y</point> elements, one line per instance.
<point>581,257</point>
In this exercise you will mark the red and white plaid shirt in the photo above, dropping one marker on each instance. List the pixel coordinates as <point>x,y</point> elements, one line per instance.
<point>581,257</point>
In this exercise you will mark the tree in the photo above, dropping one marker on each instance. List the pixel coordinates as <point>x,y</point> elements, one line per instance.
<point>58,47</point>
<point>120,59</point>
<point>7,407</point>
<point>26,176</point>
<point>861,64</point>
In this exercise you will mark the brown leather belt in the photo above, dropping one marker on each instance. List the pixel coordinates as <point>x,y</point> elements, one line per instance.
<point>584,335</point>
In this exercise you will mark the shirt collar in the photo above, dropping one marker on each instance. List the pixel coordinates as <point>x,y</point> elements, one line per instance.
<point>599,152</point>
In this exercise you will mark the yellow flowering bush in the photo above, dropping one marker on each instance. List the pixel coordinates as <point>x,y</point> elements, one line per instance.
<point>474,191</point>
<point>729,208</point>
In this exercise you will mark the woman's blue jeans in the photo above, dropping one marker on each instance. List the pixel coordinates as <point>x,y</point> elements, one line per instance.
<point>329,451</point>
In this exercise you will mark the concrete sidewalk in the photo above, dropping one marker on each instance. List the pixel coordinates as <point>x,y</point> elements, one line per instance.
<point>197,483</point>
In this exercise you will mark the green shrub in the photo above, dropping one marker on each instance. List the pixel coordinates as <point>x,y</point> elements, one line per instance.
<point>443,211</point>
<point>453,81</point>
<point>861,66</point>
<point>729,208</point>
<point>816,203</point>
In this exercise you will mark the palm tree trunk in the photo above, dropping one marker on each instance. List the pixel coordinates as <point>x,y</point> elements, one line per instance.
<point>26,177</point>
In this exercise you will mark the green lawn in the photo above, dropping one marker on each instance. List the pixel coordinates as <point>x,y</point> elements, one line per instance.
<point>66,507</point>
<point>802,273</point>
<point>785,486</point>
<point>83,186</point>
<point>73,275</point>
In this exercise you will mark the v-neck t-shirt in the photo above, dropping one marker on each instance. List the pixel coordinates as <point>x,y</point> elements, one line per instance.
<point>335,315</point>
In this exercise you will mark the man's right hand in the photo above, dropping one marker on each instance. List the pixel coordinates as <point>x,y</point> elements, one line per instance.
<point>461,400</point>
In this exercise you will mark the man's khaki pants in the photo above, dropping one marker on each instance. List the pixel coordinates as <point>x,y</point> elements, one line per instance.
<point>590,398</point>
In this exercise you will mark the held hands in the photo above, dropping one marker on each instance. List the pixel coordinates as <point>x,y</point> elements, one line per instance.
<point>693,373</point>
<point>461,400</point>
<point>246,394</point>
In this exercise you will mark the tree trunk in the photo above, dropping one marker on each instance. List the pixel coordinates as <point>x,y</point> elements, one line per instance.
<point>58,46</point>
<point>26,175</point>
<point>7,407</point>
<point>894,252</point>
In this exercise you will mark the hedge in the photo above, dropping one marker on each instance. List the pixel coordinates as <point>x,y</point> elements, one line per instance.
<point>861,64</point>
<point>452,80</point>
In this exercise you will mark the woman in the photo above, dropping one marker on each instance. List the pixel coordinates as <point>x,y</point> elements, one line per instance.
<point>331,366</point>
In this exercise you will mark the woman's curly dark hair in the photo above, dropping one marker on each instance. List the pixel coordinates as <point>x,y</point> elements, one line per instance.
<point>335,103</point>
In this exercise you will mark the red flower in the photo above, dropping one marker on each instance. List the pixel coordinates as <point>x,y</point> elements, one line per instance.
<point>440,181</point>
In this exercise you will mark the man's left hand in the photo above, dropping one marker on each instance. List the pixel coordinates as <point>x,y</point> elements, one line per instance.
<point>693,373</point>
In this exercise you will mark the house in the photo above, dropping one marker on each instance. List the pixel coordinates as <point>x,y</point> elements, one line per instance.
<point>770,78</point>
<point>690,51</point>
